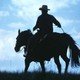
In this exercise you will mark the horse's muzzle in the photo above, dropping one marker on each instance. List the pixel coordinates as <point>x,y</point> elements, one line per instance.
<point>16,49</point>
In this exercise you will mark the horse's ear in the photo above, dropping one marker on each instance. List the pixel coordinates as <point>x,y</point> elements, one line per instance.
<point>19,31</point>
<point>29,30</point>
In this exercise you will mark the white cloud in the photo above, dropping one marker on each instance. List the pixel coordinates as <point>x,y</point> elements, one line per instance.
<point>28,9</point>
<point>7,41</point>
<point>67,22</point>
<point>64,22</point>
<point>16,25</point>
<point>54,3</point>
<point>9,59</point>
<point>75,2</point>
<point>1,45</point>
<point>4,13</point>
<point>77,36</point>
<point>19,25</point>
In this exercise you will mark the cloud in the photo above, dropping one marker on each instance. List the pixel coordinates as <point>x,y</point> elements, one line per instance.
<point>75,2</point>
<point>77,36</point>
<point>7,41</point>
<point>16,25</point>
<point>66,22</point>
<point>22,3</point>
<point>4,13</point>
<point>9,59</point>
<point>28,9</point>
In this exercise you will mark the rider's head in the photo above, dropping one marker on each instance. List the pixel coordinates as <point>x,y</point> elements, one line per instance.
<point>44,9</point>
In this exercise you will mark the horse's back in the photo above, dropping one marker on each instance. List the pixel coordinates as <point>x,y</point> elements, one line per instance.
<point>49,47</point>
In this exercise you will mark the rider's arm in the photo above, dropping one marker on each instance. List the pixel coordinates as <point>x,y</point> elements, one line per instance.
<point>37,24</point>
<point>56,22</point>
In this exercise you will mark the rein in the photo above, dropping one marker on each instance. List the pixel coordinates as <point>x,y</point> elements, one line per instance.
<point>62,30</point>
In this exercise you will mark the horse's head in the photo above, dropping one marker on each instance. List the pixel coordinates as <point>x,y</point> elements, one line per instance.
<point>22,39</point>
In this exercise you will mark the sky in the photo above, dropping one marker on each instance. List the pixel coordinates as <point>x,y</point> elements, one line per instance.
<point>22,14</point>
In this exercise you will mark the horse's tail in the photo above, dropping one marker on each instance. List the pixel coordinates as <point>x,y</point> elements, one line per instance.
<point>74,51</point>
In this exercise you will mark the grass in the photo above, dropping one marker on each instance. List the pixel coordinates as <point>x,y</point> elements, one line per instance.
<point>38,76</point>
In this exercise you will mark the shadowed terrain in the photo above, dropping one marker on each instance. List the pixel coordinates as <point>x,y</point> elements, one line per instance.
<point>38,76</point>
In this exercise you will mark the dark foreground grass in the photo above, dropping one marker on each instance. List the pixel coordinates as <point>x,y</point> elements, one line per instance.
<point>38,76</point>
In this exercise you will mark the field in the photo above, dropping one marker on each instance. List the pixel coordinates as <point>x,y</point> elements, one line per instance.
<point>38,76</point>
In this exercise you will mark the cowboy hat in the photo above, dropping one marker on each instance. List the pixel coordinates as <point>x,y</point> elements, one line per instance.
<point>44,7</point>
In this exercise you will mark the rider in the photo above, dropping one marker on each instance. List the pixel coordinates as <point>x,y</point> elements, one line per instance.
<point>45,23</point>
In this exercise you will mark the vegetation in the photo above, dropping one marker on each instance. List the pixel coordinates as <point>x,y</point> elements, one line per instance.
<point>38,76</point>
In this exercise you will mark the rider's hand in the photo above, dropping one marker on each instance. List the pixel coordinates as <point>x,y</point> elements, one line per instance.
<point>59,26</point>
<point>34,29</point>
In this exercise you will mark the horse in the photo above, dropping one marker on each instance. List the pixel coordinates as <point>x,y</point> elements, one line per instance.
<point>52,46</point>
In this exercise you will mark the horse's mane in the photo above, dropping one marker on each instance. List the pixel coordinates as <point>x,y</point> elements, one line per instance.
<point>26,32</point>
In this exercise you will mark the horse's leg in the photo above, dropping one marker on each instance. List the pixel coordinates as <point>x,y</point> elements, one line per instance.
<point>27,62</point>
<point>56,60</point>
<point>42,66</point>
<point>66,59</point>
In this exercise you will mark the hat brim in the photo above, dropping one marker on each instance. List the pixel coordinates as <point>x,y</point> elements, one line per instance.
<point>44,9</point>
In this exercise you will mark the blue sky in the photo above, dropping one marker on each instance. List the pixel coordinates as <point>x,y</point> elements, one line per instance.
<point>22,14</point>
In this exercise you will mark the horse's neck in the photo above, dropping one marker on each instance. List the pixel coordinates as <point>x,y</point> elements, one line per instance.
<point>28,38</point>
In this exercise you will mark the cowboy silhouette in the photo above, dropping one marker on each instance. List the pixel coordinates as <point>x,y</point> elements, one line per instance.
<point>45,23</point>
